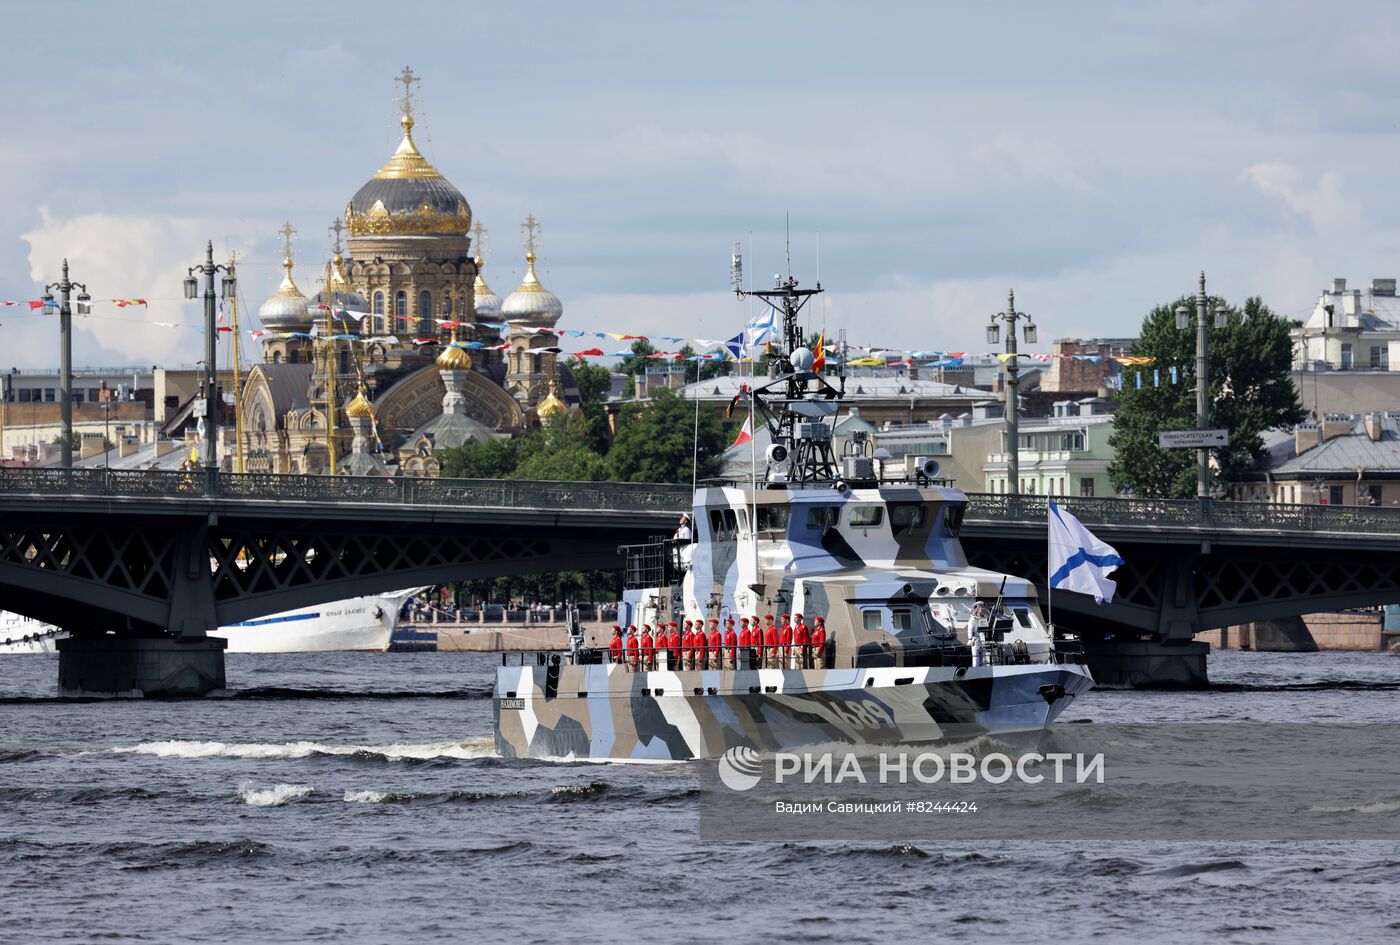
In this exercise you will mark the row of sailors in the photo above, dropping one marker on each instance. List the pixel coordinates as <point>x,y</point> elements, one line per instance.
<point>786,645</point>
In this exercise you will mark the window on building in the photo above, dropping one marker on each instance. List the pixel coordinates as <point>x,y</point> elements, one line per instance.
<point>1378,357</point>
<point>78,396</point>
<point>823,515</point>
<point>1334,495</point>
<point>25,395</point>
<point>953,519</point>
<point>901,618</point>
<point>425,304</point>
<point>379,303</point>
<point>866,516</point>
<point>1346,355</point>
<point>50,395</point>
<point>447,303</point>
<point>871,620</point>
<point>1086,487</point>
<point>401,304</point>
<point>1371,494</point>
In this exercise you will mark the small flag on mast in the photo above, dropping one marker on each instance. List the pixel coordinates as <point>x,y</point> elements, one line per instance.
<point>745,432</point>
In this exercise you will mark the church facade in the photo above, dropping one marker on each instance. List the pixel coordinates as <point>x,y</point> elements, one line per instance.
<point>405,351</point>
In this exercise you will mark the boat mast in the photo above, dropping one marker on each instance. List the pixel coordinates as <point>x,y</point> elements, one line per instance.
<point>237,373</point>
<point>801,439</point>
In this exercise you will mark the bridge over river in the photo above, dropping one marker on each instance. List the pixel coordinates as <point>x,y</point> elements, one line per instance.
<point>166,556</point>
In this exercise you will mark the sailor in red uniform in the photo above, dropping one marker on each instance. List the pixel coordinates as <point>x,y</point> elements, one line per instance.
<point>688,647</point>
<point>702,644</point>
<point>632,647</point>
<point>801,637</point>
<point>716,642</point>
<point>785,640</point>
<point>731,645</point>
<point>615,647</point>
<point>819,642</point>
<point>673,643</point>
<point>648,648</point>
<point>770,643</point>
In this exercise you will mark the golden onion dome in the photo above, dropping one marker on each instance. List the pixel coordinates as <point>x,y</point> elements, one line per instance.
<point>453,358</point>
<point>359,406</point>
<point>532,305</point>
<point>551,406</point>
<point>408,196</point>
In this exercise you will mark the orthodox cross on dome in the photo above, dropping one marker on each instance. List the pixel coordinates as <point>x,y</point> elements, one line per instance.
<point>336,229</point>
<point>406,101</point>
<point>480,232</point>
<point>530,226</point>
<point>288,234</point>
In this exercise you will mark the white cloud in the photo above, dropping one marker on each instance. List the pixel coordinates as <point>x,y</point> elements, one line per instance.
<point>121,257</point>
<point>1325,205</point>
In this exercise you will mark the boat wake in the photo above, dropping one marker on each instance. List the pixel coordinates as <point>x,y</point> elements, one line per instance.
<point>471,748</point>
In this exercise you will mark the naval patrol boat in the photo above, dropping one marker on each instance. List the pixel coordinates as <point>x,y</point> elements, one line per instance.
<point>910,655</point>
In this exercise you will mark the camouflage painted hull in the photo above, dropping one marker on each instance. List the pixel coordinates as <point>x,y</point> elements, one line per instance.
<point>604,712</point>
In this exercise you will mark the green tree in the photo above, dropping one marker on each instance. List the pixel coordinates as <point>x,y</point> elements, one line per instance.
<point>494,459</point>
<point>594,382</point>
<point>655,441</point>
<point>560,451</point>
<point>1250,392</point>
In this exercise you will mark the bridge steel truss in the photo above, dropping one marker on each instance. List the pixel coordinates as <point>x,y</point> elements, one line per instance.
<point>186,552</point>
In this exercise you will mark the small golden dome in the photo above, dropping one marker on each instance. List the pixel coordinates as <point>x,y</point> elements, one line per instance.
<point>453,358</point>
<point>359,407</point>
<point>551,406</point>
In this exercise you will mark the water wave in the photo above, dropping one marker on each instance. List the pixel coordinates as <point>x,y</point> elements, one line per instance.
<point>1369,807</point>
<point>574,793</point>
<point>431,797</point>
<point>275,796</point>
<point>294,692</point>
<point>8,756</point>
<point>75,796</point>
<point>178,748</point>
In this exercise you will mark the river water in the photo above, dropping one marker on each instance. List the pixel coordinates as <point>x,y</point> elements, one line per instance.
<point>355,798</point>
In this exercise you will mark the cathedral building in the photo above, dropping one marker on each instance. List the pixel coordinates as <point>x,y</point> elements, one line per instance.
<point>405,350</point>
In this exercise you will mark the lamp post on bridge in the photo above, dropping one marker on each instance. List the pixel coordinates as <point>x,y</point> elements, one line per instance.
<point>64,310</point>
<point>211,391</point>
<point>1183,317</point>
<point>1013,445</point>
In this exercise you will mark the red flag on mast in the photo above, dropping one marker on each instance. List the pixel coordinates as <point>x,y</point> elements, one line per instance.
<point>745,432</point>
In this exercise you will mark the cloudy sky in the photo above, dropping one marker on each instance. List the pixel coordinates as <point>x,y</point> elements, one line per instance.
<point>1092,156</point>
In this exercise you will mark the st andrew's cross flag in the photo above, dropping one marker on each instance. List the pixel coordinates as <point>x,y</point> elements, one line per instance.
<point>1078,560</point>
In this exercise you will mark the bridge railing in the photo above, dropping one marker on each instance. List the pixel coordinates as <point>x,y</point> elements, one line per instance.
<point>642,496</point>
<point>400,490</point>
<point>1188,513</point>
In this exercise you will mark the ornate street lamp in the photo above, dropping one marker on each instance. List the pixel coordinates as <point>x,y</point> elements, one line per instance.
<point>63,308</point>
<point>1013,445</point>
<point>211,391</point>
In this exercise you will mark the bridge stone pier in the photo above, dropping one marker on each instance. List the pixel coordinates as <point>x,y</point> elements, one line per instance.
<point>140,566</point>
